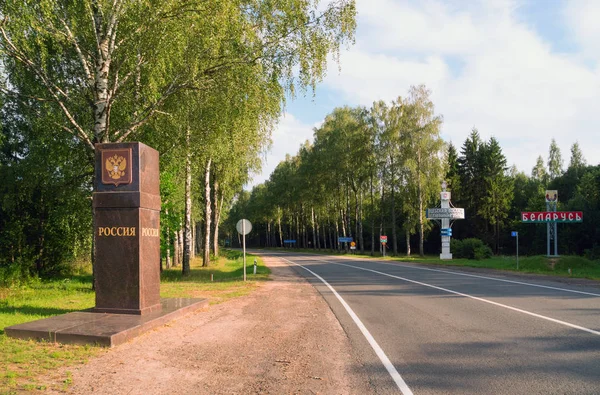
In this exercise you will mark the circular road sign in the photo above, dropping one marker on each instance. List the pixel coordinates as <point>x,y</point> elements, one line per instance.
<point>245,228</point>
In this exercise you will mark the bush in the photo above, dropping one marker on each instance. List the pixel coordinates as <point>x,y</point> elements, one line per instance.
<point>15,275</point>
<point>456,248</point>
<point>470,249</point>
<point>593,254</point>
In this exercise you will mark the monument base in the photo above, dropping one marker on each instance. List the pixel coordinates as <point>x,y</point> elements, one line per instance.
<point>147,310</point>
<point>103,329</point>
<point>446,256</point>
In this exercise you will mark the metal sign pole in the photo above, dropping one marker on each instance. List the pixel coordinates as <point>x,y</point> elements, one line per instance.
<point>555,233</point>
<point>517,251</point>
<point>244,242</point>
<point>548,232</point>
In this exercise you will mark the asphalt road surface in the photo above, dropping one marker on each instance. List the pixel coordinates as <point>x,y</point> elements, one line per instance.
<point>432,330</point>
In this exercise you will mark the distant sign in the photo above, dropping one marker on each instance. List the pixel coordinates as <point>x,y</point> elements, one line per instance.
<point>551,196</point>
<point>443,213</point>
<point>344,239</point>
<point>552,216</point>
<point>383,239</point>
<point>243,226</point>
<point>445,195</point>
<point>514,234</point>
<point>289,241</point>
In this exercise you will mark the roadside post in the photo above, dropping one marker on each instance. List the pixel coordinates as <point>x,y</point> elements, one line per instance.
<point>445,214</point>
<point>516,234</point>
<point>289,243</point>
<point>383,241</point>
<point>244,227</point>
<point>255,263</point>
<point>345,240</point>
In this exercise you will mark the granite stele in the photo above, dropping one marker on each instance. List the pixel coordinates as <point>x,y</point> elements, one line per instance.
<point>127,269</point>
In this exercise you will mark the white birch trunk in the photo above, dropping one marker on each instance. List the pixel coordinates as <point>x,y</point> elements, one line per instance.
<point>207,214</point>
<point>187,226</point>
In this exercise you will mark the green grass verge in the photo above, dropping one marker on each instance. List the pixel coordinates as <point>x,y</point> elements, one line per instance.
<point>23,363</point>
<point>580,267</point>
<point>227,273</point>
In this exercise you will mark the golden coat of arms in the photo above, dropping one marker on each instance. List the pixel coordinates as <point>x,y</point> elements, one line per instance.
<point>116,166</point>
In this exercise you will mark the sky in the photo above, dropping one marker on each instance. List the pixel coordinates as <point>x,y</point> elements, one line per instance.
<point>524,72</point>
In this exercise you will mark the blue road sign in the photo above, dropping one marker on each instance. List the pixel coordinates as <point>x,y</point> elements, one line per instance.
<point>344,239</point>
<point>446,231</point>
<point>514,234</point>
<point>289,241</point>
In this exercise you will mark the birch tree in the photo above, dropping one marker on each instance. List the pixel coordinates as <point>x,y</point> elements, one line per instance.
<point>423,151</point>
<point>109,66</point>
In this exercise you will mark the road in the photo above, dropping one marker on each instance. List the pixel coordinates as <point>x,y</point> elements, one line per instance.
<point>431,330</point>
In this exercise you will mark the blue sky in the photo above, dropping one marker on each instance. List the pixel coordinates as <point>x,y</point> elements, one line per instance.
<point>522,71</point>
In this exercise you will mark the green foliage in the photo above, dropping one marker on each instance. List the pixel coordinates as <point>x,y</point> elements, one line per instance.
<point>45,185</point>
<point>485,190</point>
<point>539,173</point>
<point>555,162</point>
<point>16,275</point>
<point>593,254</point>
<point>83,72</point>
<point>471,248</point>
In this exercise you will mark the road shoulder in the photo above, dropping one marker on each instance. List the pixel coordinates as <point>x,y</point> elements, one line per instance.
<point>282,338</point>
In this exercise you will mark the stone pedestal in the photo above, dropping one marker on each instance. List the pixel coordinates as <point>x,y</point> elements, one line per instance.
<point>127,229</point>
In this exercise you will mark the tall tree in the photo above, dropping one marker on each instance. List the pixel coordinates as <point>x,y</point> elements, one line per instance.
<point>104,70</point>
<point>453,171</point>
<point>498,189</point>
<point>539,173</point>
<point>577,162</point>
<point>555,162</point>
<point>423,152</point>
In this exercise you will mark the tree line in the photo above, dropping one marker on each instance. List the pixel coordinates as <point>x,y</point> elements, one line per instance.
<point>202,82</point>
<point>373,171</point>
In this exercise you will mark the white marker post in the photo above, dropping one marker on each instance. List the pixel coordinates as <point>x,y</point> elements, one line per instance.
<point>445,198</point>
<point>445,213</point>
<point>244,227</point>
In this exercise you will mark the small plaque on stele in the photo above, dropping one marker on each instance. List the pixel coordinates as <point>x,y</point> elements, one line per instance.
<point>116,166</point>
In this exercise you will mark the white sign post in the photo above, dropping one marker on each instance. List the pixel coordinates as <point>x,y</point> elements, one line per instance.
<point>445,198</point>
<point>445,214</point>
<point>244,227</point>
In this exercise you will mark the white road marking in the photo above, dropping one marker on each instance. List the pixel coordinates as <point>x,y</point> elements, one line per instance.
<point>472,297</point>
<point>459,274</point>
<point>384,359</point>
<point>484,277</point>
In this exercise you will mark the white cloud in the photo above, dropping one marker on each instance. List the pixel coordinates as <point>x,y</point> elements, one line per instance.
<point>509,83</point>
<point>582,18</point>
<point>486,68</point>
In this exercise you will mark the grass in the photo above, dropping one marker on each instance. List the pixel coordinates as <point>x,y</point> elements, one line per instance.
<point>24,363</point>
<point>580,267</point>
<point>227,274</point>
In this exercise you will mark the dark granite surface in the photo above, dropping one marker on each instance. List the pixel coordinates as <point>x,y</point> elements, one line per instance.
<point>104,329</point>
<point>127,233</point>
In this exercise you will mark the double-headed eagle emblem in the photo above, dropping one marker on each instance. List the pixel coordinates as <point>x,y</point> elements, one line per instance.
<point>115,166</point>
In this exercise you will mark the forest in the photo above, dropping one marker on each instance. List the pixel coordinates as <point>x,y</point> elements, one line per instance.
<point>202,82</point>
<point>374,171</point>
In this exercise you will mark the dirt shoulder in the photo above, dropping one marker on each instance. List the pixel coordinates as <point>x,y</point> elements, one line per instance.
<point>283,338</point>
